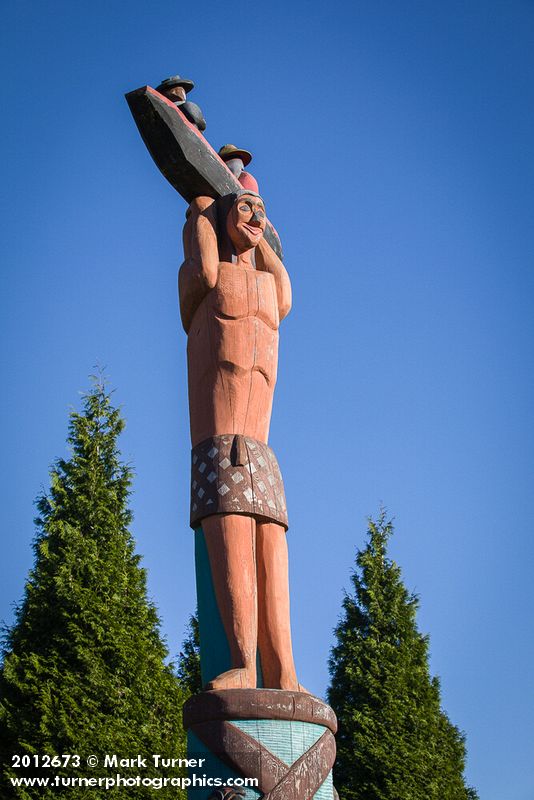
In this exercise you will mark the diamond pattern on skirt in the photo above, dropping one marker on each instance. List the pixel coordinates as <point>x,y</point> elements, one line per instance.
<point>234,474</point>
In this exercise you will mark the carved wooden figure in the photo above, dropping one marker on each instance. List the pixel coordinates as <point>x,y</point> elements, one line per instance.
<point>234,292</point>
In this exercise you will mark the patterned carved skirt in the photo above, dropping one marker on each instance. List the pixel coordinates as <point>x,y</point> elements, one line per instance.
<point>235,474</point>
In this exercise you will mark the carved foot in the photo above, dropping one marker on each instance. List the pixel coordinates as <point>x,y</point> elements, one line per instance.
<point>234,679</point>
<point>288,684</point>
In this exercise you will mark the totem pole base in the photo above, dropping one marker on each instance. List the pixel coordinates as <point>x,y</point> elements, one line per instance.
<point>283,739</point>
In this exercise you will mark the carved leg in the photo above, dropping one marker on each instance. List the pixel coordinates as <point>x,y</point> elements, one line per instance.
<point>274,627</point>
<point>230,539</point>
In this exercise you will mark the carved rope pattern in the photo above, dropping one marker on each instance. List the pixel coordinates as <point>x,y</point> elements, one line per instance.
<point>236,704</point>
<point>276,780</point>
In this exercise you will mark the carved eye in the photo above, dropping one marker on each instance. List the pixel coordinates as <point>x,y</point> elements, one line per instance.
<point>244,207</point>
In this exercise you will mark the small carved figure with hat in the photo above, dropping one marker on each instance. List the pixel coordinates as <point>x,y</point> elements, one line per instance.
<point>236,160</point>
<point>175,89</point>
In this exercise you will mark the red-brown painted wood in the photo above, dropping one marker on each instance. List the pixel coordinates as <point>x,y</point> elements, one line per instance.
<point>234,291</point>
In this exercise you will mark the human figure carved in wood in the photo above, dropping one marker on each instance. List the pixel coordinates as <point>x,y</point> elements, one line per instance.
<point>234,292</point>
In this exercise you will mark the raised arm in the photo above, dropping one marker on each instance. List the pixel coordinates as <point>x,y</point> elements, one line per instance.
<point>268,261</point>
<point>198,273</point>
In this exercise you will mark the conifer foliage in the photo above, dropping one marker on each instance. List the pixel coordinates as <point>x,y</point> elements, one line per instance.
<point>189,659</point>
<point>84,665</point>
<point>394,741</point>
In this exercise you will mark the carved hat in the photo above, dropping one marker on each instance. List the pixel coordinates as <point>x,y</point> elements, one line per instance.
<point>175,80</point>
<point>229,151</point>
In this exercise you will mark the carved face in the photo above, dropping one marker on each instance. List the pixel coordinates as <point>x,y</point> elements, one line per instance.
<point>246,222</point>
<point>235,165</point>
<point>176,94</point>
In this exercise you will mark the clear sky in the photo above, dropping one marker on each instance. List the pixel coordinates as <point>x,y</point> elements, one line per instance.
<point>393,143</point>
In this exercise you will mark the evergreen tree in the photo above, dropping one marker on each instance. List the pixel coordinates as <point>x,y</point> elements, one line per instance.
<point>189,660</point>
<point>84,667</point>
<point>394,741</point>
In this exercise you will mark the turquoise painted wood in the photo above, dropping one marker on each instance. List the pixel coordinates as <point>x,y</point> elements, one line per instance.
<point>214,650</point>
<point>286,739</point>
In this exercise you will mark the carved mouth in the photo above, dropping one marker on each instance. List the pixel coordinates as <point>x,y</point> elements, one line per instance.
<point>252,229</point>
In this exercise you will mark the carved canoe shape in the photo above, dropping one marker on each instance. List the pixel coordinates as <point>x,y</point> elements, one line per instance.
<point>182,154</point>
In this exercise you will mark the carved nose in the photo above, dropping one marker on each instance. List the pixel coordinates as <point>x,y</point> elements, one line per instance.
<point>255,218</point>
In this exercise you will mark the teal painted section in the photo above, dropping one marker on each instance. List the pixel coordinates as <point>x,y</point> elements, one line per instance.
<point>286,739</point>
<point>214,649</point>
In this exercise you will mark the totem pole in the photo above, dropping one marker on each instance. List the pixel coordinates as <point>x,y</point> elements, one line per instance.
<point>253,719</point>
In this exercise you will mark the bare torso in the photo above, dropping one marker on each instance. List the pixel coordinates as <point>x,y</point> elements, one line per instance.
<point>232,353</point>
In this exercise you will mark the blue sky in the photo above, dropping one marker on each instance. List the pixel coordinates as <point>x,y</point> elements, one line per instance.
<point>393,146</point>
